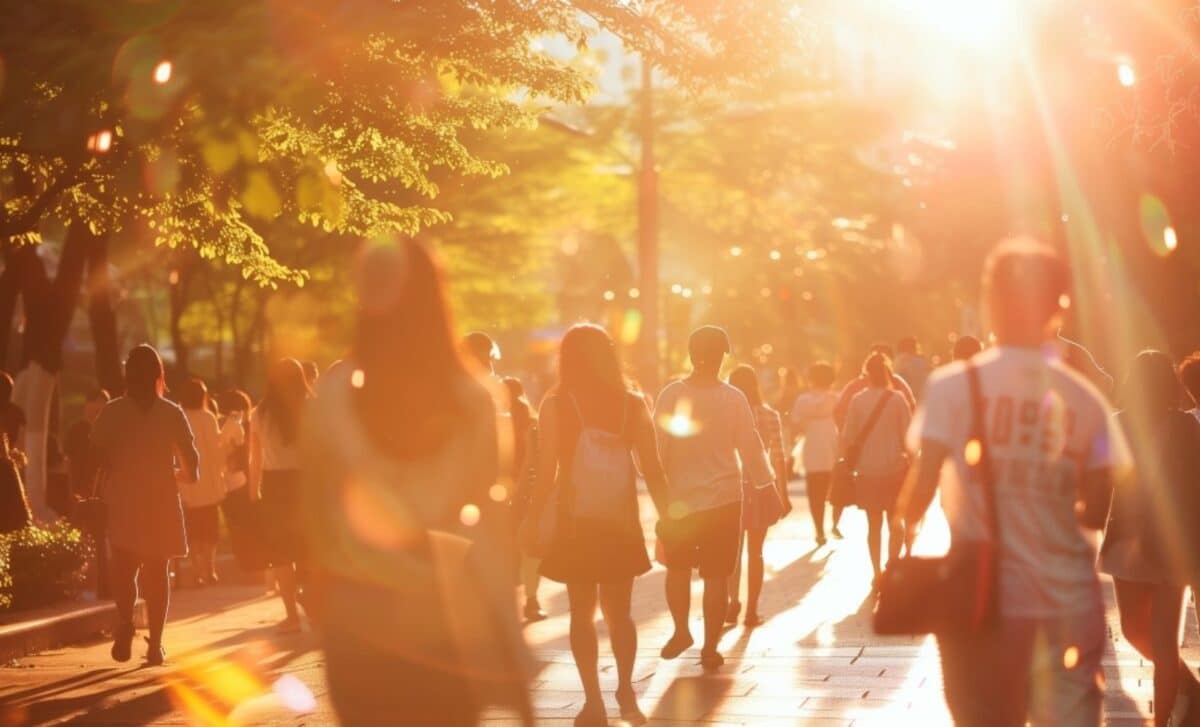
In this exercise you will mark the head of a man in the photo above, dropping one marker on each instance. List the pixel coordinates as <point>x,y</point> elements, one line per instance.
<point>707,347</point>
<point>1025,288</point>
<point>481,348</point>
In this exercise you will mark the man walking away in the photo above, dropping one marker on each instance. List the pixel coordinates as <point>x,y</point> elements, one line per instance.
<point>705,426</point>
<point>1053,452</point>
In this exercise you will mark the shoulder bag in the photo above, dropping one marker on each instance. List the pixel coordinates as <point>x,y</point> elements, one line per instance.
<point>957,592</point>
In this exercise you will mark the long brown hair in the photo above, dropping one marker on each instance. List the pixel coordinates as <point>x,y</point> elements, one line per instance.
<point>590,370</point>
<point>744,379</point>
<point>406,349</point>
<point>283,404</point>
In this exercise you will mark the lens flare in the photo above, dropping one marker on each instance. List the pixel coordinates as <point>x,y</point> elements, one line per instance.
<point>469,515</point>
<point>498,492</point>
<point>679,423</point>
<point>1160,234</point>
<point>358,378</point>
<point>1070,657</point>
<point>973,452</point>
<point>294,694</point>
<point>1126,75</point>
<point>162,72</point>
<point>631,326</point>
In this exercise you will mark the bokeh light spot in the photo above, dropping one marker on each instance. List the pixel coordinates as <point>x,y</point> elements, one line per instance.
<point>162,72</point>
<point>973,452</point>
<point>1070,657</point>
<point>498,492</point>
<point>469,515</point>
<point>358,378</point>
<point>294,694</point>
<point>1126,75</point>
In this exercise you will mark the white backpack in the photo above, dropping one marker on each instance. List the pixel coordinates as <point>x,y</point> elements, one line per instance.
<point>602,482</point>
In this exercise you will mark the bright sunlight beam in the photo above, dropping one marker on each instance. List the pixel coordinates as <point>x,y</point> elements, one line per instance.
<point>981,25</point>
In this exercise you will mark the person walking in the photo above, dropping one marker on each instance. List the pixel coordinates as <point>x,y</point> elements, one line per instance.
<point>912,366</point>
<point>873,443</point>
<point>1150,541</point>
<point>1053,451</point>
<point>585,506</point>
<point>274,478</point>
<point>812,418</point>
<point>407,527</point>
<point>142,447</point>
<point>859,384</point>
<point>202,497</point>
<point>762,507</point>
<point>965,348</point>
<point>524,459</point>
<point>709,442</point>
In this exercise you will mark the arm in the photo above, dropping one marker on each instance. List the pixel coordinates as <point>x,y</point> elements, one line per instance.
<point>255,453</point>
<point>646,444</point>
<point>547,457</point>
<point>921,483</point>
<point>779,462</point>
<point>755,467</point>
<point>185,449</point>
<point>905,391</point>
<point>1109,465</point>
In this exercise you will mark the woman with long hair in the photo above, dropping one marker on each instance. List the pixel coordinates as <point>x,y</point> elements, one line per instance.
<point>762,507</point>
<point>142,448</point>
<point>275,477</point>
<point>584,516</point>
<point>876,424</point>
<point>405,492</point>
<point>1150,543</point>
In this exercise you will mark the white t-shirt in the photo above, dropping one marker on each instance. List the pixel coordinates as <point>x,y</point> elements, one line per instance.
<point>707,436</point>
<point>1045,426</point>
<point>209,489</point>
<point>812,414</point>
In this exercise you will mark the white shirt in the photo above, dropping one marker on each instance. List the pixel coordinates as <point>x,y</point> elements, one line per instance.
<point>707,436</point>
<point>209,489</point>
<point>1045,426</point>
<point>812,414</point>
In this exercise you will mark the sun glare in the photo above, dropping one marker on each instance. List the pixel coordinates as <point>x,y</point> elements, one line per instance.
<point>980,25</point>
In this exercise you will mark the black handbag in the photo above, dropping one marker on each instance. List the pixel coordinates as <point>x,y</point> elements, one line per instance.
<point>957,592</point>
<point>843,490</point>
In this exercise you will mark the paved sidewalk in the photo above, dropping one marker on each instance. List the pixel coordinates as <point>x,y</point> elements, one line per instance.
<point>815,661</point>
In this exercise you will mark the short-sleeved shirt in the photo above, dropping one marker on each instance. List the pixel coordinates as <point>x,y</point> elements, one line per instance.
<point>813,414</point>
<point>707,437</point>
<point>136,447</point>
<point>1045,426</point>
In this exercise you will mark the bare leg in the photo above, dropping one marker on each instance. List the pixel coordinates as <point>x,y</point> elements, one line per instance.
<point>735,585</point>
<point>285,576</point>
<point>754,571</point>
<point>837,518</point>
<point>156,586</point>
<point>584,646</point>
<point>1166,613</point>
<point>716,598</point>
<point>875,538</point>
<point>817,487</point>
<point>679,601</point>
<point>896,536</point>
<point>622,633</point>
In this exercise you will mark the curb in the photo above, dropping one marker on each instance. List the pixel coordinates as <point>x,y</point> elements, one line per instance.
<point>69,626</point>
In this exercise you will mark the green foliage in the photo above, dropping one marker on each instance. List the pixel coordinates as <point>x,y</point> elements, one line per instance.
<point>40,565</point>
<point>276,121</point>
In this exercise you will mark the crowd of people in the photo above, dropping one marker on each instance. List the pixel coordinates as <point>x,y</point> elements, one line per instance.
<point>400,500</point>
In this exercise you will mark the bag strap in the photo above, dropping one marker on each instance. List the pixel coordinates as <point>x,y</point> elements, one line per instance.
<point>984,466</point>
<point>852,453</point>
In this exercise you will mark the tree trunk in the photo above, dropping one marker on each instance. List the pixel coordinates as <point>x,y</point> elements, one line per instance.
<point>49,307</point>
<point>10,287</point>
<point>103,320</point>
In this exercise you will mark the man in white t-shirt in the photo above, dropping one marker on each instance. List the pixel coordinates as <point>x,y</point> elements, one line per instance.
<point>1054,451</point>
<point>707,437</point>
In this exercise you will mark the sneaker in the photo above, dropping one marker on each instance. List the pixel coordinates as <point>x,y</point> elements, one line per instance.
<point>122,648</point>
<point>155,654</point>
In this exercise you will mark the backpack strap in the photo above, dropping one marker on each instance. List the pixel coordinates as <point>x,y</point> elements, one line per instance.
<point>856,447</point>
